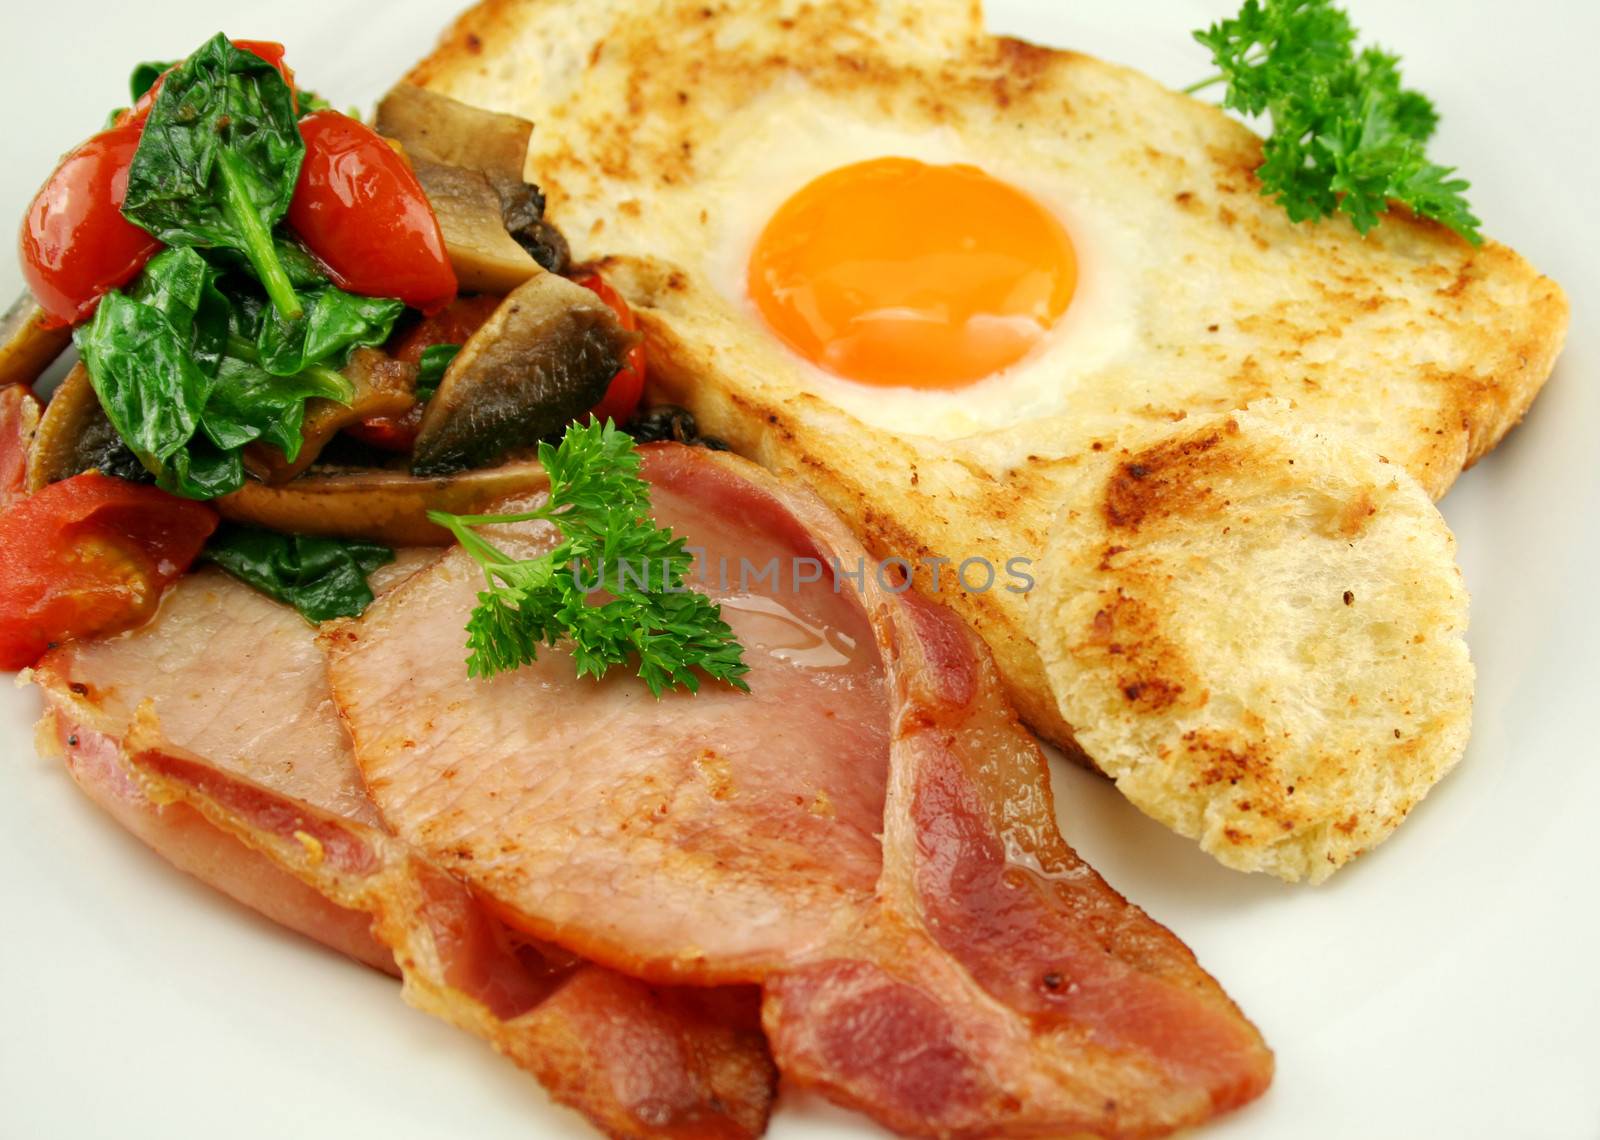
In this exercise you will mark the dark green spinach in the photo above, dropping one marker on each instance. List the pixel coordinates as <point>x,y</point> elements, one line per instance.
<point>431,367</point>
<point>333,324</point>
<point>178,363</point>
<point>226,334</point>
<point>152,356</point>
<point>217,163</point>
<point>250,403</point>
<point>144,77</point>
<point>323,578</point>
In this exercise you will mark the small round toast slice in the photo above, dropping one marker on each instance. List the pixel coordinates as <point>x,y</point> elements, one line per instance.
<point>1258,630</point>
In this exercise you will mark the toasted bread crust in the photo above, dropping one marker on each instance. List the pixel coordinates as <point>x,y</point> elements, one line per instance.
<point>628,96</point>
<point>1261,631</point>
<point>1416,346</point>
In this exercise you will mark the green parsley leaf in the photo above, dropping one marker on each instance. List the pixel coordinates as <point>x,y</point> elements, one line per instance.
<point>1346,137</point>
<point>610,548</point>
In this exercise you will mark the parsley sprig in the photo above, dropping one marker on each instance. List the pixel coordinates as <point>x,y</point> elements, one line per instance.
<point>611,549</point>
<point>1346,137</point>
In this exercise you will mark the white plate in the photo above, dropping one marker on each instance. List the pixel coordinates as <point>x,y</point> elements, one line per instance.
<point>1444,985</point>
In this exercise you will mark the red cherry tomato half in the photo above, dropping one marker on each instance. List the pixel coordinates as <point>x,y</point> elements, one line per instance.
<point>75,243</point>
<point>361,210</point>
<point>451,325</point>
<point>269,50</point>
<point>627,386</point>
<point>90,555</point>
<point>266,49</point>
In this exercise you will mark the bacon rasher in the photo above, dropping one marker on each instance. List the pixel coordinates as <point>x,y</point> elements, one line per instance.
<point>868,834</point>
<point>209,734</point>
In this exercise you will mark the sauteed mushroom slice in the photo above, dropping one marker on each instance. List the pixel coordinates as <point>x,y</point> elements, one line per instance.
<point>470,162</point>
<point>383,386</point>
<point>482,252</point>
<point>544,358</point>
<point>75,436</point>
<point>383,506</point>
<point>442,129</point>
<point>27,344</point>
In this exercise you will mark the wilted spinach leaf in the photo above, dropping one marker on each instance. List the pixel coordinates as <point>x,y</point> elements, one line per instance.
<point>202,470</point>
<point>250,403</point>
<point>431,367</point>
<point>185,289</point>
<point>144,77</point>
<point>175,363</point>
<point>323,578</point>
<point>152,355</point>
<point>334,323</point>
<point>217,163</point>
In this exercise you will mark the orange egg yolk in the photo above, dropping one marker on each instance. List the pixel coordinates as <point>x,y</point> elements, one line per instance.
<point>900,273</point>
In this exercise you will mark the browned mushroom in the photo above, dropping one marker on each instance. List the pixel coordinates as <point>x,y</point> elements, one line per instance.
<point>542,359</point>
<point>75,436</point>
<point>482,252</point>
<point>383,386</point>
<point>470,163</point>
<point>441,129</point>
<point>384,506</point>
<point>27,344</point>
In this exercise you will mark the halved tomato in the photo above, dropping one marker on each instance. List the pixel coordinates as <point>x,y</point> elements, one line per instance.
<point>627,387</point>
<point>90,555</point>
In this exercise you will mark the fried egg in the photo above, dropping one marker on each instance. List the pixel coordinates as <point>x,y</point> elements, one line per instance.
<point>921,284</point>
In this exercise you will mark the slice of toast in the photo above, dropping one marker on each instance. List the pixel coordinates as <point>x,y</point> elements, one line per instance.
<point>651,117</point>
<point>1258,630</point>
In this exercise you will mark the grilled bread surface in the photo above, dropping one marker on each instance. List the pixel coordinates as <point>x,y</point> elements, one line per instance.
<point>1407,353</point>
<point>1258,628</point>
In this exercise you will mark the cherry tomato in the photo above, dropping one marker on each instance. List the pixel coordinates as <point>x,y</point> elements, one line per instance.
<point>362,212</point>
<point>266,49</point>
<point>451,325</point>
<point>627,386</point>
<point>90,555</point>
<point>75,243</point>
<point>272,52</point>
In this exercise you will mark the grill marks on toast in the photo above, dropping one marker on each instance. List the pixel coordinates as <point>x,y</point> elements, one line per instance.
<point>1259,632</point>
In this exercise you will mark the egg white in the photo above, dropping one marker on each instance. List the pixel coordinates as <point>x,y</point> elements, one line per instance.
<point>767,163</point>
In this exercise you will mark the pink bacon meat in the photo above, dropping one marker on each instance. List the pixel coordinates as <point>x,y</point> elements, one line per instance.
<point>869,835</point>
<point>210,734</point>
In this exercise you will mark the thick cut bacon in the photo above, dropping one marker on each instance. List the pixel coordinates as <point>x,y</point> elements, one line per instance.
<point>274,814</point>
<point>184,837</point>
<point>969,976</point>
<point>704,839</point>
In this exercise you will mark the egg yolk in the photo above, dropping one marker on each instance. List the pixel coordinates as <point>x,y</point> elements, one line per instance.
<point>897,272</point>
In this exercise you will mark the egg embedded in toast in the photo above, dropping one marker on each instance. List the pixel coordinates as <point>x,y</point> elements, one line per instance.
<point>690,147</point>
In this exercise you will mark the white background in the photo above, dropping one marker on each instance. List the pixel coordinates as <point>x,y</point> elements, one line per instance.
<point>1442,986</point>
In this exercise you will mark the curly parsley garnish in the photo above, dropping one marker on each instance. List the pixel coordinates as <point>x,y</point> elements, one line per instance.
<point>1346,136</point>
<point>614,586</point>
